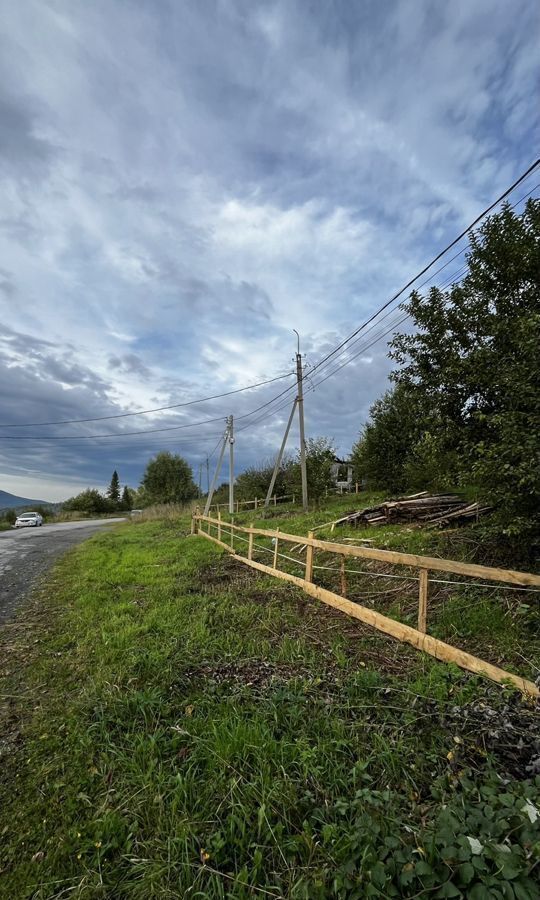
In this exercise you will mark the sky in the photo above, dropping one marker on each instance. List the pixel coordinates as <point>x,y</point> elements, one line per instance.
<point>183,184</point>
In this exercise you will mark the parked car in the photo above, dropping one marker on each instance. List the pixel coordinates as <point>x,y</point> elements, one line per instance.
<point>28,519</point>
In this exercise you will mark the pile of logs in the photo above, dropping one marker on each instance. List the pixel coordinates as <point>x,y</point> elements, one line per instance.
<point>423,508</point>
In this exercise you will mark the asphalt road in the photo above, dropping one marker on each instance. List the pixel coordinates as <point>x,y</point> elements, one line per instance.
<point>27,553</point>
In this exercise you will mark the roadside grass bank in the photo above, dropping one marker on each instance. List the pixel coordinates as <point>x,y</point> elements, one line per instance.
<point>176,726</point>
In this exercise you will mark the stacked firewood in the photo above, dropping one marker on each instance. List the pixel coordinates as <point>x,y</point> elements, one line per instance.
<point>423,508</point>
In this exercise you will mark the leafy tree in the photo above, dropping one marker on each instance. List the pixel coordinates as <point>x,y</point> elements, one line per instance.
<point>473,358</point>
<point>168,479</point>
<point>255,481</point>
<point>387,441</point>
<point>320,455</point>
<point>113,491</point>
<point>89,501</point>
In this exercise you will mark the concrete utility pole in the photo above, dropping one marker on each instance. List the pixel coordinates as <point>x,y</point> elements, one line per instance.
<point>231,464</point>
<point>218,470</point>
<point>300,404</point>
<point>280,454</point>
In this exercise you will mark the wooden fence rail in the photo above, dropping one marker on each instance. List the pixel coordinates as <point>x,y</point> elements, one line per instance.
<point>257,503</point>
<point>417,637</point>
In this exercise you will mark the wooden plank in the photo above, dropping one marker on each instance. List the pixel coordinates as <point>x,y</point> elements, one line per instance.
<point>423,588</point>
<point>507,576</point>
<point>276,543</point>
<point>423,642</point>
<point>309,559</point>
<point>343,577</point>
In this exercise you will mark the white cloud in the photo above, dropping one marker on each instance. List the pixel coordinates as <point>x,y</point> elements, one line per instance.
<point>187,189</point>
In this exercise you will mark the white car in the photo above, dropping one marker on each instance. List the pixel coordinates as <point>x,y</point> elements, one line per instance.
<point>28,519</point>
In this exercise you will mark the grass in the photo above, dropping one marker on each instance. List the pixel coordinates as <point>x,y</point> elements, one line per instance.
<point>176,726</point>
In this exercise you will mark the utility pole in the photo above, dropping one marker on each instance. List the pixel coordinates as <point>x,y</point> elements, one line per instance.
<point>280,454</point>
<point>300,404</point>
<point>218,470</point>
<point>231,464</point>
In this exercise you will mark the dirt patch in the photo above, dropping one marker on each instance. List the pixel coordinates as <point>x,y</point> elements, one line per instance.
<point>508,729</point>
<point>256,673</point>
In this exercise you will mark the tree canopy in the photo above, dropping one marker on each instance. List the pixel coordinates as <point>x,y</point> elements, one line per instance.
<point>467,389</point>
<point>168,478</point>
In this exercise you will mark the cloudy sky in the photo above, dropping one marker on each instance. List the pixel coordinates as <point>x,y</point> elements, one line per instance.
<point>183,183</point>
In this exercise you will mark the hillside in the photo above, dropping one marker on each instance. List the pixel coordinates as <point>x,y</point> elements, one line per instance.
<point>198,727</point>
<point>11,501</point>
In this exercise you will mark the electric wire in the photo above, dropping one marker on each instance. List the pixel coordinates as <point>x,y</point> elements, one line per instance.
<point>426,268</point>
<point>143,412</point>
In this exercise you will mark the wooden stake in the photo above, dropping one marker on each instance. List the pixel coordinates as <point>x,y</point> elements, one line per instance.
<point>423,589</point>
<point>309,559</point>
<point>232,535</point>
<point>275,500</point>
<point>250,543</point>
<point>256,502</point>
<point>343,577</point>
<point>276,542</point>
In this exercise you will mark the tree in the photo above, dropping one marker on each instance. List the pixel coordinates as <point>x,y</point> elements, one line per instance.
<point>387,441</point>
<point>473,358</point>
<point>255,481</point>
<point>113,491</point>
<point>320,454</point>
<point>89,501</point>
<point>168,479</point>
<point>127,498</point>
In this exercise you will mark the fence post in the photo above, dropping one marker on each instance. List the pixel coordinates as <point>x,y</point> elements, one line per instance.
<point>219,525</point>
<point>423,588</point>
<point>309,560</point>
<point>356,488</point>
<point>232,534</point>
<point>238,506</point>
<point>256,501</point>
<point>276,540</point>
<point>193,526</point>
<point>250,543</point>
<point>343,577</point>
<point>275,500</point>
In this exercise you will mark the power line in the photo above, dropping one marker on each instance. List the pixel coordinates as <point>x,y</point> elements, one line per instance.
<point>442,286</point>
<point>433,261</point>
<point>143,412</point>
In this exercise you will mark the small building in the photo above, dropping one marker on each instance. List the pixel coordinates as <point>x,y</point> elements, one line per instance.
<point>342,475</point>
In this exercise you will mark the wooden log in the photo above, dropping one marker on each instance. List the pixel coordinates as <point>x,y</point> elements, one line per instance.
<point>309,559</point>
<point>423,589</point>
<point>423,642</point>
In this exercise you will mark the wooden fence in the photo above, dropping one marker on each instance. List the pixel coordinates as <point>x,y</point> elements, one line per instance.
<point>257,503</point>
<point>417,637</point>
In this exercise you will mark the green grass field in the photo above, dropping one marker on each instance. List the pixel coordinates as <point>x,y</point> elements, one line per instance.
<point>176,726</point>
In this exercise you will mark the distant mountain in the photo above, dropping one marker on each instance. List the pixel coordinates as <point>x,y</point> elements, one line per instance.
<point>10,501</point>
